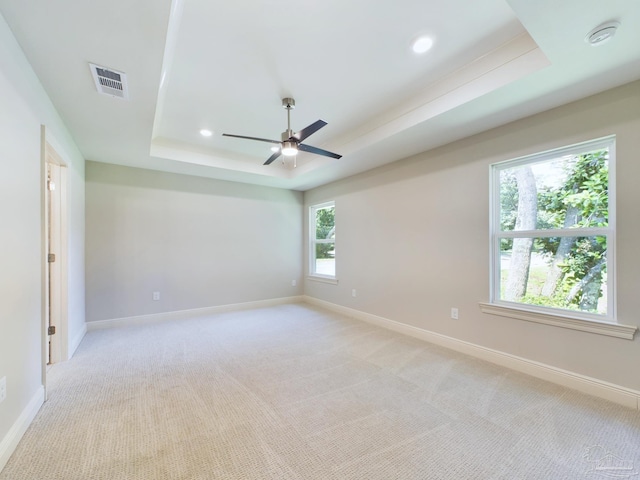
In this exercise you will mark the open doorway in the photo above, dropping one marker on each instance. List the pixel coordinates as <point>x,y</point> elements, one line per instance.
<point>55,335</point>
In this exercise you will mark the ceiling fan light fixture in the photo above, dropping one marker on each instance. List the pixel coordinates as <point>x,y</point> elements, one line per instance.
<point>289,149</point>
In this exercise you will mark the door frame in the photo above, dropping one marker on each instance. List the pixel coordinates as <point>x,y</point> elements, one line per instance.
<point>56,273</point>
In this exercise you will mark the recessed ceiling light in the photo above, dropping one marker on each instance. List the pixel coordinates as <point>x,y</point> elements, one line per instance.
<point>206,133</point>
<point>275,149</point>
<point>602,33</point>
<point>422,44</point>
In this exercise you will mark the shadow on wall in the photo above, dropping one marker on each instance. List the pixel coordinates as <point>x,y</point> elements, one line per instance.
<point>523,137</point>
<point>97,172</point>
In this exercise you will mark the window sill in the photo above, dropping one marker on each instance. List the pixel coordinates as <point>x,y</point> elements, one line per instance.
<point>592,326</point>
<point>318,278</point>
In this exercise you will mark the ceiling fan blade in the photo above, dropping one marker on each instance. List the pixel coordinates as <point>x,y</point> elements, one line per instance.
<point>252,138</point>
<point>317,151</point>
<point>310,130</point>
<point>272,158</point>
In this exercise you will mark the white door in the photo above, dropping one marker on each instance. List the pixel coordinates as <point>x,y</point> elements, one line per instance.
<point>53,262</point>
<point>55,226</point>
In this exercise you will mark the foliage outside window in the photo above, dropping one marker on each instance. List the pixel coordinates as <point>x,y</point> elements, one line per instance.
<point>322,251</point>
<point>553,230</point>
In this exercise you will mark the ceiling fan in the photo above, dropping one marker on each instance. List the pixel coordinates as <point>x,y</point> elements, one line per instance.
<point>291,142</point>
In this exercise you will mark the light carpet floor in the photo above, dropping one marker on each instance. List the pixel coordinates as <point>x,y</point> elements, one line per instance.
<point>296,392</point>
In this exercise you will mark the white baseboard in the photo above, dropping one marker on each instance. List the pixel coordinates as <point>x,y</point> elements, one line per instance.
<point>591,386</point>
<point>15,433</point>
<point>184,314</point>
<point>75,342</point>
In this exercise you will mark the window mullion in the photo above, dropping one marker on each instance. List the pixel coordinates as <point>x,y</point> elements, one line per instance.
<point>564,232</point>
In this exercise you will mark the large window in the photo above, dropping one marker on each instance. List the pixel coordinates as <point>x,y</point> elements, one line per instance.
<point>552,231</point>
<point>322,236</point>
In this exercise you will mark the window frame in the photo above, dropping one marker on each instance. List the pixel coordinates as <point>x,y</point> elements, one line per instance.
<point>542,314</point>
<point>313,241</point>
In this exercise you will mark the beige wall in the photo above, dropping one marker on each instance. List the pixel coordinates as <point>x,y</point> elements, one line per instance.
<point>413,239</point>
<point>199,242</point>
<point>24,107</point>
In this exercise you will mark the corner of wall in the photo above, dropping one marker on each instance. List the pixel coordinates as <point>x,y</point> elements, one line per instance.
<point>15,433</point>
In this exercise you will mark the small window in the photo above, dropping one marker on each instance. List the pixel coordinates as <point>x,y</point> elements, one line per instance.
<point>553,231</point>
<point>322,235</point>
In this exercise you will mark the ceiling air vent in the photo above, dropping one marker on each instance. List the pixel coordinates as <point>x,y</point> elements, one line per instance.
<point>110,82</point>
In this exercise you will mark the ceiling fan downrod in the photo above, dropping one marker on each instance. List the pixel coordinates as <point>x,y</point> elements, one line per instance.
<point>289,145</point>
<point>289,104</point>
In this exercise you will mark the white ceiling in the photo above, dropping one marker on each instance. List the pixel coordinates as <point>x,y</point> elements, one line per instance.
<point>225,66</point>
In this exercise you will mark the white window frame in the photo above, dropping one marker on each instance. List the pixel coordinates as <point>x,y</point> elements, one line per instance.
<point>313,275</point>
<point>595,323</point>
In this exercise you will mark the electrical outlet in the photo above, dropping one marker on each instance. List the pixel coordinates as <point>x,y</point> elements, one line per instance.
<point>454,313</point>
<point>294,283</point>
<point>354,293</point>
<point>3,389</point>
<point>156,295</point>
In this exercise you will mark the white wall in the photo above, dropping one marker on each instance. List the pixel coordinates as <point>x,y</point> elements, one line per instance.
<point>413,239</point>
<point>199,242</point>
<point>24,107</point>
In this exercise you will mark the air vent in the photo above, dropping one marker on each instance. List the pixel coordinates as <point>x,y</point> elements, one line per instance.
<point>110,82</point>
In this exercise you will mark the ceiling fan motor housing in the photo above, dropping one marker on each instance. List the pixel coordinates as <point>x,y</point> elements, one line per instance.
<point>286,135</point>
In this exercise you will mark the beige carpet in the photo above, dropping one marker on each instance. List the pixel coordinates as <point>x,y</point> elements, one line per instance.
<point>295,392</point>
